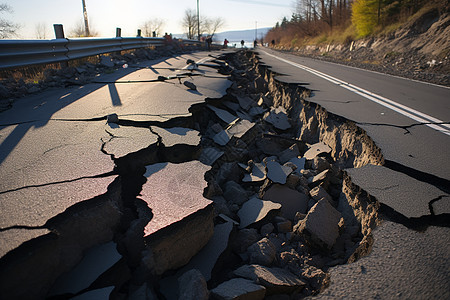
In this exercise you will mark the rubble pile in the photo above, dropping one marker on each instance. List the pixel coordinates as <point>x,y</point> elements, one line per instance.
<point>281,194</point>
<point>237,201</point>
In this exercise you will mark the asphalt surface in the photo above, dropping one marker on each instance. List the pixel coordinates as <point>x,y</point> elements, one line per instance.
<point>52,146</point>
<point>409,121</point>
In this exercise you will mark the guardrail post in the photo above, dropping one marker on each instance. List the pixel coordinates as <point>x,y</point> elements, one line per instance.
<point>59,34</point>
<point>118,35</point>
<point>138,33</point>
<point>59,31</point>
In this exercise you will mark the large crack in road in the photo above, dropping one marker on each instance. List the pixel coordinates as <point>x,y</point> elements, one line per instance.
<point>274,208</point>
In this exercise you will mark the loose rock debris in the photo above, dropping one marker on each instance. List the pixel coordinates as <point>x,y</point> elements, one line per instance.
<point>266,215</point>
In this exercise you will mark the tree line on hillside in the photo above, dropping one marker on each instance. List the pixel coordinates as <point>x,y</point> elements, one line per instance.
<point>313,18</point>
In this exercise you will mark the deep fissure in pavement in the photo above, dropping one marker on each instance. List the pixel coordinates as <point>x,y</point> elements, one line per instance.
<point>290,248</point>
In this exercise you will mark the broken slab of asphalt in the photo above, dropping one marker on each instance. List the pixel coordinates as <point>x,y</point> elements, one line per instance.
<point>304,266</point>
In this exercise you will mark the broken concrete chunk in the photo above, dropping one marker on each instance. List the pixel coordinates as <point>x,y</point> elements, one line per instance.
<point>321,225</point>
<point>277,173</point>
<point>293,180</point>
<point>299,162</point>
<point>222,138</point>
<point>239,128</point>
<point>182,220</point>
<point>192,286</point>
<point>320,164</point>
<point>289,153</point>
<point>257,174</point>
<point>245,102</point>
<point>256,111</point>
<point>239,289</point>
<point>318,193</point>
<point>255,210</point>
<point>243,115</point>
<point>125,140</point>
<point>291,200</point>
<point>96,261</point>
<point>178,135</point>
<point>317,149</point>
<point>262,252</point>
<point>319,177</point>
<point>223,114</point>
<point>275,280</point>
<point>244,239</point>
<point>278,118</point>
<point>234,193</point>
<point>210,155</point>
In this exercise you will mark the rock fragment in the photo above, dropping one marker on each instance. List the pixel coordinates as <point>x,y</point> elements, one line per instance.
<point>317,149</point>
<point>292,201</point>
<point>319,192</point>
<point>244,239</point>
<point>278,118</point>
<point>223,114</point>
<point>288,154</point>
<point>275,280</point>
<point>234,193</point>
<point>258,173</point>
<point>320,227</point>
<point>262,252</point>
<point>192,286</point>
<point>239,289</point>
<point>277,173</point>
<point>255,210</point>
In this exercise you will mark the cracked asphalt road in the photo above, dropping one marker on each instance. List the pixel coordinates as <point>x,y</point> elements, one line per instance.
<point>52,144</point>
<point>411,252</point>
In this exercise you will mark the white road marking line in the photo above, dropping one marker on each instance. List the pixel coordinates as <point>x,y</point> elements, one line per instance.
<point>400,108</point>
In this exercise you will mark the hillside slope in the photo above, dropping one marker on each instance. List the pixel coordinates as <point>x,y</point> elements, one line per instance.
<point>420,50</point>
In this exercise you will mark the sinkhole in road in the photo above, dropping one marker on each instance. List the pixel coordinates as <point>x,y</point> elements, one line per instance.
<point>274,205</point>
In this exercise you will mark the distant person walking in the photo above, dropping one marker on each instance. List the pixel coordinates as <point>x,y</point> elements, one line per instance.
<point>255,43</point>
<point>225,43</point>
<point>209,41</point>
<point>242,43</point>
<point>273,43</point>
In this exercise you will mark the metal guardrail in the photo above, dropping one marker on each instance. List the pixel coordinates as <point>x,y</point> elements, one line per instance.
<point>20,53</point>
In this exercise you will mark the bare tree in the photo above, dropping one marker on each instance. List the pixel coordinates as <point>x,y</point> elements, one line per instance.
<point>7,28</point>
<point>80,31</point>
<point>153,25</point>
<point>41,31</point>
<point>212,25</point>
<point>189,22</point>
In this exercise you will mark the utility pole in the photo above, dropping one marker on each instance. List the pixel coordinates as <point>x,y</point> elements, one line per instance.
<point>86,25</point>
<point>198,20</point>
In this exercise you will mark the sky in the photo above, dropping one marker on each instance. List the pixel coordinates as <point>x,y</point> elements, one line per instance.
<point>106,15</point>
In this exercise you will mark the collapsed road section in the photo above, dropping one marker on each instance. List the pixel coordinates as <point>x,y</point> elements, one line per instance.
<point>248,197</point>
